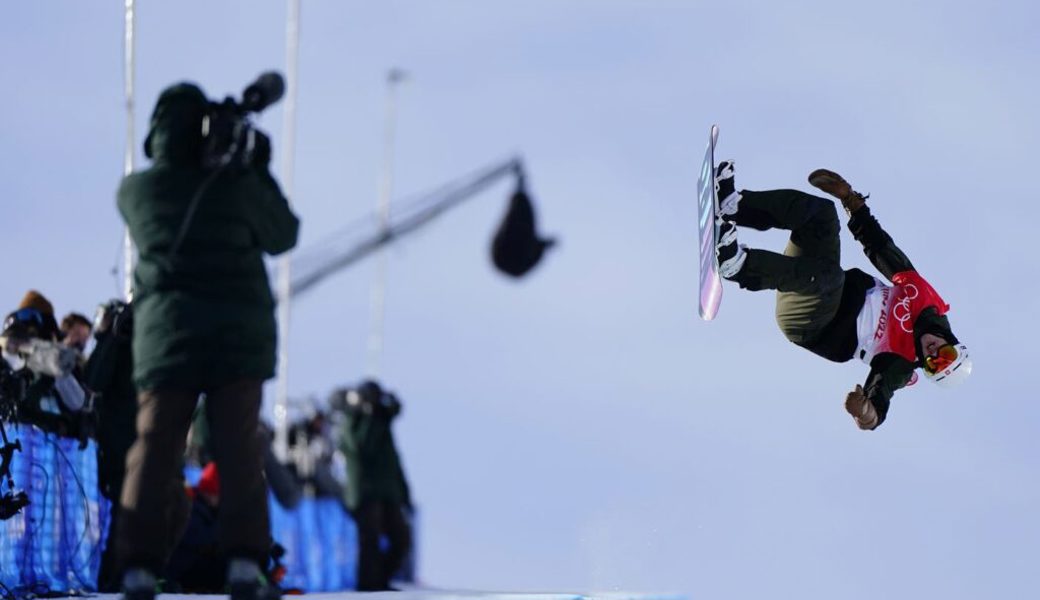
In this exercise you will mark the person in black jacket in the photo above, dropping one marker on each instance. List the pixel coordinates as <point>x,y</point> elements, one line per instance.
<point>834,313</point>
<point>377,492</point>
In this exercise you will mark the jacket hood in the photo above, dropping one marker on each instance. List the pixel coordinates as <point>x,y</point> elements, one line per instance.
<point>175,131</point>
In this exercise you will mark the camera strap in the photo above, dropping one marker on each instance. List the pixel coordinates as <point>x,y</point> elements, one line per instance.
<point>189,215</point>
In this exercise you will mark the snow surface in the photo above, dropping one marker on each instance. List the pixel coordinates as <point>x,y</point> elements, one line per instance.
<point>435,595</point>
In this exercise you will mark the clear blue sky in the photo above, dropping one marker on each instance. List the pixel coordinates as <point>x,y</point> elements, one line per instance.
<point>583,429</point>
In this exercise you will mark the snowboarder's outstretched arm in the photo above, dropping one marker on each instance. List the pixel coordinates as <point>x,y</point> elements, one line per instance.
<point>877,244</point>
<point>869,403</point>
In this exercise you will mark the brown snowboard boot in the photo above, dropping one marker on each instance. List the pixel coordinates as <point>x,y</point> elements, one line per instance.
<point>836,186</point>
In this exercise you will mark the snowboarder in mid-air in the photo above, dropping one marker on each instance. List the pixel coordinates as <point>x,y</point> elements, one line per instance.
<point>840,314</point>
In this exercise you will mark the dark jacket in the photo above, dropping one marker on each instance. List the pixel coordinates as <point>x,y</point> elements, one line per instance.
<point>838,342</point>
<point>203,315</point>
<point>374,470</point>
<point>108,374</point>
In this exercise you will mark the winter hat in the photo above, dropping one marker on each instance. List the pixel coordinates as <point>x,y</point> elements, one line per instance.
<point>370,391</point>
<point>34,299</point>
<point>175,129</point>
<point>34,318</point>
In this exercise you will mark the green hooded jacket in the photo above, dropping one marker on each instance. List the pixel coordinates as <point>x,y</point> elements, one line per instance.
<point>374,472</point>
<point>203,316</point>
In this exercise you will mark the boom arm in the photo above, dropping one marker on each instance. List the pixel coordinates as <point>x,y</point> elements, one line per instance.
<point>312,267</point>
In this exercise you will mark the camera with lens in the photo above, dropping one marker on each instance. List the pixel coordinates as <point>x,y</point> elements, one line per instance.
<point>116,318</point>
<point>26,345</point>
<point>229,136</point>
<point>369,398</point>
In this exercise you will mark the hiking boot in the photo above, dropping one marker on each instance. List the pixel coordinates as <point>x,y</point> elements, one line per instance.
<point>726,189</point>
<point>730,254</point>
<point>836,186</point>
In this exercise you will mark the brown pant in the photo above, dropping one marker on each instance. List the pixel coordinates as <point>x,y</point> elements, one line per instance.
<point>154,506</point>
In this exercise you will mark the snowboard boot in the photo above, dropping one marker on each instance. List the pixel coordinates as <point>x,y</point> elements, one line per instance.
<point>726,190</point>
<point>836,186</point>
<point>730,254</point>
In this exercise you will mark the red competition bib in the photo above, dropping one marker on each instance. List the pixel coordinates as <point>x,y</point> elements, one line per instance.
<point>886,322</point>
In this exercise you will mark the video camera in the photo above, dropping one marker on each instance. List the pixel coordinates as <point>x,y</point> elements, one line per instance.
<point>369,398</point>
<point>230,138</point>
<point>39,356</point>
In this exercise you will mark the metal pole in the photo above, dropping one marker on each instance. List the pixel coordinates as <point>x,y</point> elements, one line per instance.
<point>292,54</point>
<point>129,151</point>
<point>386,185</point>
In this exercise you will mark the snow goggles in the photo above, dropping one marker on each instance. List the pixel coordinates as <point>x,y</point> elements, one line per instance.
<point>944,357</point>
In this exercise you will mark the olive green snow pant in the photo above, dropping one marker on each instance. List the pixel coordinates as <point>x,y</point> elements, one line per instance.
<point>808,276</point>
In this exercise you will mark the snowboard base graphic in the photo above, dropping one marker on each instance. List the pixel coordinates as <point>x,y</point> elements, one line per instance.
<point>708,228</point>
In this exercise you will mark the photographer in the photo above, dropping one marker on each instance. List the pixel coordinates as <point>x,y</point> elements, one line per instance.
<point>108,373</point>
<point>377,491</point>
<point>202,216</point>
<point>36,386</point>
<point>53,399</point>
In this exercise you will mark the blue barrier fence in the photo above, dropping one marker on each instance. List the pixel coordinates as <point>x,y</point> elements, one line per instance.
<point>55,543</point>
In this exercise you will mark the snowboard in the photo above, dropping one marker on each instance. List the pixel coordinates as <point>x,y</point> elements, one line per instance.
<point>708,228</point>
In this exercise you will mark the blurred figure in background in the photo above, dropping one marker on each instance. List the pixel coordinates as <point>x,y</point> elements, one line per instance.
<point>199,563</point>
<point>108,374</point>
<point>75,332</point>
<point>377,492</point>
<point>54,399</point>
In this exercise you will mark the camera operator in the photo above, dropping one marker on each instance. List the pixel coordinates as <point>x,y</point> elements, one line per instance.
<point>54,397</point>
<point>377,491</point>
<point>203,324</point>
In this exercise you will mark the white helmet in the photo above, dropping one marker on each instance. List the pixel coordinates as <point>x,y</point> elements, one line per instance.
<point>950,367</point>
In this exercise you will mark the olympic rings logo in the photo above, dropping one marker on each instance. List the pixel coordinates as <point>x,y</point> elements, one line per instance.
<point>901,311</point>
